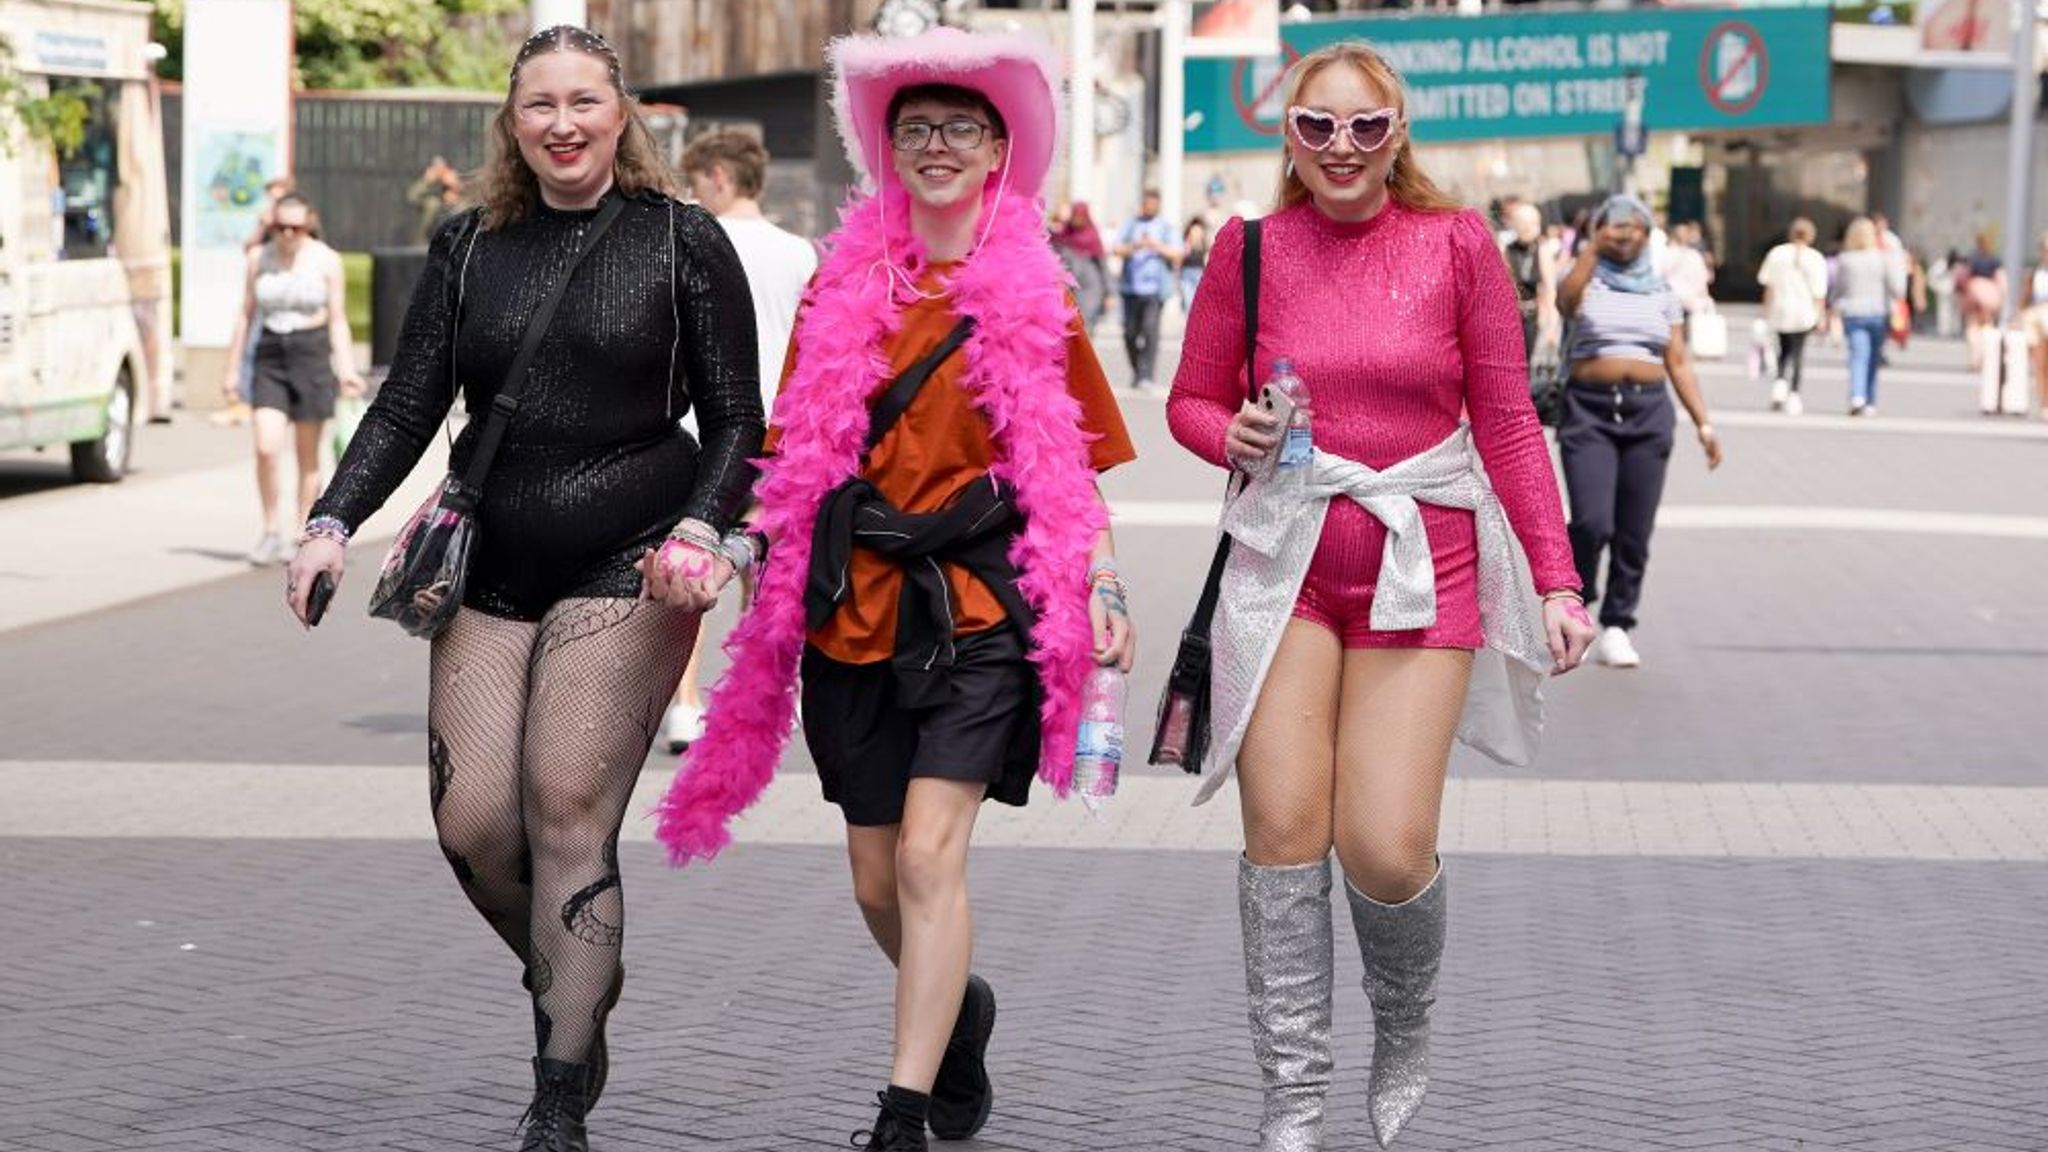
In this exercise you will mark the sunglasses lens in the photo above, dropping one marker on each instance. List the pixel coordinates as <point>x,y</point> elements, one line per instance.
<point>1314,129</point>
<point>1369,132</point>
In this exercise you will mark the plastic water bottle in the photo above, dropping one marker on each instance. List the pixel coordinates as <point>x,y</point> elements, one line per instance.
<point>1099,749</point>
<point>1297,443</point>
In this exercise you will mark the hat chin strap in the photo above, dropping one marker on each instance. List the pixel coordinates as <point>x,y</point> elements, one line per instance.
<point>894,273</point>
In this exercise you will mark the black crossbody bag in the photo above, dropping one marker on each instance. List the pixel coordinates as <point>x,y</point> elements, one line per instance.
<point>1180,733</point>
<point>421,583</point>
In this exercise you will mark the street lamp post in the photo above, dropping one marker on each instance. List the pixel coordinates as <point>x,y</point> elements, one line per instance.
<point>1173,104</point>
<point>1081,86</point>
<point>2020,147</point>
<point>1628,135</point>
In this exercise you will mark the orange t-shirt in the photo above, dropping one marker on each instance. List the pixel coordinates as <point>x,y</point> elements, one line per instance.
<point>939,447</point>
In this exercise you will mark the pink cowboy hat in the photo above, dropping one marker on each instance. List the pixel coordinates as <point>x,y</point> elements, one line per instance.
<point>1019,75</point>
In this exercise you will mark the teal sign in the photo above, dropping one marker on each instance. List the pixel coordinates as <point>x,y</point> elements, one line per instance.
<point>1561,74</point>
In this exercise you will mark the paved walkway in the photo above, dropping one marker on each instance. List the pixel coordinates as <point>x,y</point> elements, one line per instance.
<point>1781,889</point>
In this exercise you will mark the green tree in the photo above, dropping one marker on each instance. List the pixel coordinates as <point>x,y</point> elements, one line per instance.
<point>355,44</point>
<point>57,118</point>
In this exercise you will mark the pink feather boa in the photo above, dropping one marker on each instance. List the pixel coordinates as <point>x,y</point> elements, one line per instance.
<point>1014,287</point>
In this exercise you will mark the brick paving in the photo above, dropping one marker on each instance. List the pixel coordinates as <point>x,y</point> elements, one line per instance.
<point>340,995</point>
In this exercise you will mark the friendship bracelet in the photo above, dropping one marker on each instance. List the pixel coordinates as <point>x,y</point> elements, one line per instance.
<point>325,528</point>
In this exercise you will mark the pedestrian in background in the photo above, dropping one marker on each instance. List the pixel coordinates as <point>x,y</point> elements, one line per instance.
<point>1867,282</point>
<point>1688,271</point>
<point>599,525</point>
<point>1148,246</point>
<point>293,330</point>
<point>238,410</point>
<point>1194,247</point>
<point>944,579</point>
<point>435,196</point>
<point>1078,244</point>
<point>1980,290</point>
<point>1345,654</point>
<point>1942,285</point>
<point>1628,342</point>
<point>2034,321</point>
<point>727,171</point>
<point>1794,277</point>
<point>1532,266</point>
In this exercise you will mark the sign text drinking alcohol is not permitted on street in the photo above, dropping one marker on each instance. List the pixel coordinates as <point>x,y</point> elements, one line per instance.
<point>1564,74</point>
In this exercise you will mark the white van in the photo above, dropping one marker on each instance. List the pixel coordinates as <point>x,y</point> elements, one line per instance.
<point>84,238</point>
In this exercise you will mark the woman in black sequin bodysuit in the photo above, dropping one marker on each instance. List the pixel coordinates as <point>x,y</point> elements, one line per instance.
<point>548,686</point>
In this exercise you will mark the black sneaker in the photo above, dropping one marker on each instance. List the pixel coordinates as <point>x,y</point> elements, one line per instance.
<point>554,1121</point>
<point>962,1095</point>
<point>893,1131</point>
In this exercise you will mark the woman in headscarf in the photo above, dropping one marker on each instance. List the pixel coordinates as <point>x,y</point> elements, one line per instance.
<point>1628,340</point>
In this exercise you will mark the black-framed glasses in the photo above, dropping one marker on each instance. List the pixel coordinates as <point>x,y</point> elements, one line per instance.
<point>959,134</point>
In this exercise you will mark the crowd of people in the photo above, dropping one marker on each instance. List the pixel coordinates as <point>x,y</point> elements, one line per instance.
<point>891,442</point>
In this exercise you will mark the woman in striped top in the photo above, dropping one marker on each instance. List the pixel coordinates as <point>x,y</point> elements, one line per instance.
<point>1628,338</point>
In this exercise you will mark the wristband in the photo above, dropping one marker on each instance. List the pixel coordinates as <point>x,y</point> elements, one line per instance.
<point>325,528</point>
<point>1706,429</point>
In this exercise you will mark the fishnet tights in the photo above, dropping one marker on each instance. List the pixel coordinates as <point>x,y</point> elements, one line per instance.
<point>536,735</point>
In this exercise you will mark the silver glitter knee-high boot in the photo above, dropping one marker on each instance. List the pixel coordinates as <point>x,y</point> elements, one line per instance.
<point>1401,945</point>
<point>1286,916</point>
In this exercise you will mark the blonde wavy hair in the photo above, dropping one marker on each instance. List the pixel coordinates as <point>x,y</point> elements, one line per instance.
<point>1407,182</point>
<point>507,189</point>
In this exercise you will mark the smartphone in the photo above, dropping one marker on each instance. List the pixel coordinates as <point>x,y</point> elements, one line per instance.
<point>318,599</point>
<point>1280,405</point>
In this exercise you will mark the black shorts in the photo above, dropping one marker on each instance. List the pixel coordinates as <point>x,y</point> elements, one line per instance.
<point>868,747</point>
<point>295,375</point>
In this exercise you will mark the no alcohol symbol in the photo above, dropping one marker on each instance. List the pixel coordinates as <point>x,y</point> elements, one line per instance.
<point>1734,67</point>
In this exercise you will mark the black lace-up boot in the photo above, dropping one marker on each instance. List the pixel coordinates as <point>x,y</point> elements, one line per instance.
<point>554,1121</point>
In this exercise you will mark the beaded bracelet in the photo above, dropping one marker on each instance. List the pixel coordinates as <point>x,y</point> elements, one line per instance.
<point>738,548</point>
<point>695,533</point>
<point>325,528</point>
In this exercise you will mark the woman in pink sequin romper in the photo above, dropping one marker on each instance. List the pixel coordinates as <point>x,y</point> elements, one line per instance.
<point>1396,309</point>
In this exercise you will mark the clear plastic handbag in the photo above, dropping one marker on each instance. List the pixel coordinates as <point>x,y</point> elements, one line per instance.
<point>421,583</point>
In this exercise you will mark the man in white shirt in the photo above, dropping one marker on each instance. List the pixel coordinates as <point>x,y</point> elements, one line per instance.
<point>726,170</point>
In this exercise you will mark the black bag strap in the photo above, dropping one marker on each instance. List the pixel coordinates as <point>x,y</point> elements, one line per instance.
<point>506,402</point>
<point>896,401</point>
<point>1212,588</point>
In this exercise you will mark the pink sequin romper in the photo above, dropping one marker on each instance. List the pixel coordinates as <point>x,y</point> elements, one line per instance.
<point>1401,326</point>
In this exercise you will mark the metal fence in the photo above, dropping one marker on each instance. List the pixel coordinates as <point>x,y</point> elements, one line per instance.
<point>355,156</point>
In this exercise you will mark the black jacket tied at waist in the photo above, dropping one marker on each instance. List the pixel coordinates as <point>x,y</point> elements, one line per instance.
<point>974,531</point>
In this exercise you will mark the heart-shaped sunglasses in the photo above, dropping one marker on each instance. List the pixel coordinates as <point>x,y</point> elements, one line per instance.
<point>1317,130</point>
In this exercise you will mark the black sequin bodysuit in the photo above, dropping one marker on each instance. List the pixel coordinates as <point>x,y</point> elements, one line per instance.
<point>594,469</point>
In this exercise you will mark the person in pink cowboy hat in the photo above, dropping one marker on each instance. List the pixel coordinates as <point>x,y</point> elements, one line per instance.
<point>938,562</point>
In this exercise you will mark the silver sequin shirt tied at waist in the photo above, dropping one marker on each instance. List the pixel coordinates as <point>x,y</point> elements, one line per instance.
<point>1275,531</point>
